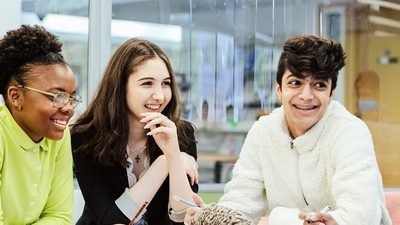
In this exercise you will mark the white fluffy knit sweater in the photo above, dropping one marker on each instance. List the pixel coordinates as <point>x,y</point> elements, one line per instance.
<point>331,164</point>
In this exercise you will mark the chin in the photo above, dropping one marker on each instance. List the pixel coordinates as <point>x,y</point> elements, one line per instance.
<point>55,136</point>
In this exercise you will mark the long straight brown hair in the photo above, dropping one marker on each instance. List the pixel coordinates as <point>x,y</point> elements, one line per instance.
<point>107,115</point>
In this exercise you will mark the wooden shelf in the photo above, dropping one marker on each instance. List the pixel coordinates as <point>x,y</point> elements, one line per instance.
<point>218,159</point>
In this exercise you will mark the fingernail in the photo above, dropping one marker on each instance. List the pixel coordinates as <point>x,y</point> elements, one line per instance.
<point>149,133</point>
<point>146,126</point>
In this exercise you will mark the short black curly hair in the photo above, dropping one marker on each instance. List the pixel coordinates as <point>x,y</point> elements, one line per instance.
<point>311,55</point>
<point>23,47</point>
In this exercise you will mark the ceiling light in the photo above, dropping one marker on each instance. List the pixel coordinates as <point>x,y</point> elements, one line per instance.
<point>78,25</point>
<point>384,21</point>
<point>377,3</point>
<point>383,34</point>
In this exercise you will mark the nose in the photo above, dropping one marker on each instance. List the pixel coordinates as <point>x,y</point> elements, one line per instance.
<point>158,95</point>
<point>68,108</point>
<point>306,93</point>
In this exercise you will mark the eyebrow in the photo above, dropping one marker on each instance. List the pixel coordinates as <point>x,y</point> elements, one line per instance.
<point>312,78</point>
<point>63,90</point>
<point>292,75</point>
<point>152,78</point>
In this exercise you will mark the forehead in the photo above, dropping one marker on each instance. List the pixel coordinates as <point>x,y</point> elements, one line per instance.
<point>154,68</point>
<point>51,76</point>
<point>305,76</point>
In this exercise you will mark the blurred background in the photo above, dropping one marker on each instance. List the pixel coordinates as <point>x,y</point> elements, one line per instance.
<point>225,53</point>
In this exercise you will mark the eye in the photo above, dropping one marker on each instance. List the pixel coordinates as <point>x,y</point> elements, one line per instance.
<point>294,83</point>
<point>321,85</point>
<point>147,83</point>
<point>167,83</point>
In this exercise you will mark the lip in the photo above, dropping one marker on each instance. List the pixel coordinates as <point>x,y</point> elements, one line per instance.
<point>60,123</point>
<point>305,109</point>
<point>153,107</point>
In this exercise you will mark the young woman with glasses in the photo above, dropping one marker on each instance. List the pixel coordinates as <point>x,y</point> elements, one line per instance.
<point>38,87</point>
<point>131,146</point>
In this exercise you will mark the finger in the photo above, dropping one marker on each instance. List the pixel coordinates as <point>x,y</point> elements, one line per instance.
<point>190,213</point>
<point>151,116</point>
<point>198,200</point>
<point>302,216</point>
<point>196,174</point>
<point>160,121</point>
<point>160,130</point>
<point>191,176</point>
<point>192,179</point>
<point>263,221</point>
<point>154,123</point>
<point>309,218</point>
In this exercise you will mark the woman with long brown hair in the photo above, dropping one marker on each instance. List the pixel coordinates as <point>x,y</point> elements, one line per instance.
<point>130,146</point>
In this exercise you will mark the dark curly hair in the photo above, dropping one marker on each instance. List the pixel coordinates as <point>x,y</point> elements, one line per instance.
<point>24,47</point>
<point>311,55</point>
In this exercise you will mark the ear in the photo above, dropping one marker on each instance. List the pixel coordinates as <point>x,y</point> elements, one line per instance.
<point>15,97</point>
<point>333,93</point>
<point>278,90</point>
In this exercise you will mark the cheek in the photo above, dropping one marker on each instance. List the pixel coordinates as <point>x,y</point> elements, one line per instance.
<point>286,96</point>
<point>168,95</point>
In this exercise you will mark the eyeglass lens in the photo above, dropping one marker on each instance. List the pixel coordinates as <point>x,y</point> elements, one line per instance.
<point>62,98</point>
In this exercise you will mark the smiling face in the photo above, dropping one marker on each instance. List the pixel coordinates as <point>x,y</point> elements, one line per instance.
<point>148,88</point>
<point>37,116</point>
<point>304,100</point>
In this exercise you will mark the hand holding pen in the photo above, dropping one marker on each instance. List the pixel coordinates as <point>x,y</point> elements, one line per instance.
<point>138,213</point>
<point>320,218</point>
<point>196,206</point>
<point>187,202</point>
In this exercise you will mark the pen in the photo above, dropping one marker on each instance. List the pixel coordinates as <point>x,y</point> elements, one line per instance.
<point>185,201</point>
<point>324,210</point>
<point>138,212</point>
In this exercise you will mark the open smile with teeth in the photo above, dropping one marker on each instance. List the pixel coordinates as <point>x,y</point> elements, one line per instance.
<point>153,107</point>
<point>61,122</point>
<point>306,108</point>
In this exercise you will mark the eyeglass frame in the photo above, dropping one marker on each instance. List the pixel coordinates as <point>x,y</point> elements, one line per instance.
<point>73,100</point>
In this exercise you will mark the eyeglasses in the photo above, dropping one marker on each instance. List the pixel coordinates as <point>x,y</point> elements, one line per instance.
<point>60,99</point>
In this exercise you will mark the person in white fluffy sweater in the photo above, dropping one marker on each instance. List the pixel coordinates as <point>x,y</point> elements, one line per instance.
<point>309,153</point>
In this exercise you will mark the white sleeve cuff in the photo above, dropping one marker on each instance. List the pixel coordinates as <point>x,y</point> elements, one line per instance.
<point>128,205</point>
<point>176,216</point>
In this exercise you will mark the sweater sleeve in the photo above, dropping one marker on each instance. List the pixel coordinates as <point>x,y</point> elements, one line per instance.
<point>246,191</point>
<point>356,184</point>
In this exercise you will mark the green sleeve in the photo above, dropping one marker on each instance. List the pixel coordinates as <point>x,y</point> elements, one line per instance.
<point>1,173</point>
<point>59,205</point>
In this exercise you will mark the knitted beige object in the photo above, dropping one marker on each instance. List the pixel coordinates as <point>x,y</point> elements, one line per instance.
<point>214,214</point>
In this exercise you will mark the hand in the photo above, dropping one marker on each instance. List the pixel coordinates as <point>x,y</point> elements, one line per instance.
<point>317,219</point>
<point>192,211</point>
<point>191,167</point>
<point>263,221</point>
<point>163,131</point>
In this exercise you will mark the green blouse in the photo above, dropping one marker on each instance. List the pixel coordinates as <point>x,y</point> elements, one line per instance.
<point>36,184</point>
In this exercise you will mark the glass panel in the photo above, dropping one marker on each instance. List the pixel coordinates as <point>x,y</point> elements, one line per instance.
<point>69,21</point>
<point>370,33</point>
<point>225,55</point>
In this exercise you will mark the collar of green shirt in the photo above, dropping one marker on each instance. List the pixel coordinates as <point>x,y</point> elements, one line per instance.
<point>18,134</point>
